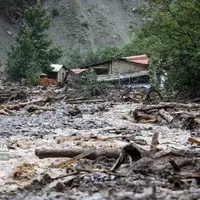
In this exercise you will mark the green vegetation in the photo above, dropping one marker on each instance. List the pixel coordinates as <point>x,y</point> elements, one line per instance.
<point>88,85</point>
<point>33,50</point>
<point>93,87</point>
<point>78,58</point>
<point>171,38</point>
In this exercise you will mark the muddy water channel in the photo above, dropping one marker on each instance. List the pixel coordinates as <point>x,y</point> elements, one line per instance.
<point>101,125</point>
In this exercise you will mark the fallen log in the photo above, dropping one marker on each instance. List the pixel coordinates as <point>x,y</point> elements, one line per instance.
<point>86,101</point>
<point>186,114</point>
<point>76,99</point>
<point>3,112</point>
<point>165,115</point>
<point>181,105</point>
<point>18,94</point>
<point>139,117</point>
<point>70,153</point>
<point>177,152</point>
<point>22,105</point>
<point>33,108</point>
<point>193,140</point>
<point>153,107</point>
<point>77,158</point>
<point>166,105</point>
<point>134,152</point>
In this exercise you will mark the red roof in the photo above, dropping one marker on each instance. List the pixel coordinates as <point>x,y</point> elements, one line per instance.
<point>78,70</point>
<point>141,59</point>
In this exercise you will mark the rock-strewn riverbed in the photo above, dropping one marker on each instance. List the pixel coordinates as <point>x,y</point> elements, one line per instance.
<point>98,125</point>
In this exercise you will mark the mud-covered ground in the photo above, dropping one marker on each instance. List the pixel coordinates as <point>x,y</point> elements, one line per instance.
<point>25,176</point>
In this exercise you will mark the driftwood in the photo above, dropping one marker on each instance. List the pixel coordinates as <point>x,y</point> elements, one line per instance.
<point>166,105</point>
<point>193,140</point>
<point>181,105</point>
<point>133,151</point>
<point>140,117</point>
<point>174,165</point>
<point>33,108</point>
<point>165,115</point>
<point>3,112</point>
<point>152,108</point>
<point>18,94</point>
<point>178,152</point>
<point>9,94</point>
<point>76,158</point>
<point>22,105</point>
<point>62,94</point>
<point>154,142</point>
<point>70,153</point>
<point>74,101</point>
<point>188,114</point>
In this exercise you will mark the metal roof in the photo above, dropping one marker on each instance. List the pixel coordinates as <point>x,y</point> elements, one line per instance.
<point>78,70</point>
<point>43,74</point>
<point>56,67</point>
<point>140,59</point>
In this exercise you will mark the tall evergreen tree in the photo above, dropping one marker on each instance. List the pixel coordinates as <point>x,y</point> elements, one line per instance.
<point>33,50</point>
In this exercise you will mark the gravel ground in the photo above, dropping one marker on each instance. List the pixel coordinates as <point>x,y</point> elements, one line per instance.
<point>58,129</point>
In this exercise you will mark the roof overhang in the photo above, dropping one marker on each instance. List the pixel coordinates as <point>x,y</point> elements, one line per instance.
<point>57,67</point>
<point>139,59</point>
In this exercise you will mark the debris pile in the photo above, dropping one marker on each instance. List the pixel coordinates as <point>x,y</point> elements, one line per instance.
<point>10,94</point>
<point>67,146</point>
<point>173,114</point>
<point>176,169</point>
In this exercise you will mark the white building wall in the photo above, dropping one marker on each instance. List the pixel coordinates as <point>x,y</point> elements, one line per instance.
<point>120,66</point>
<point>61,75</point>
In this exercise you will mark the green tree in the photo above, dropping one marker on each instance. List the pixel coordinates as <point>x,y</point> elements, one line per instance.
<point>33,50</point>
<point>171,38</point>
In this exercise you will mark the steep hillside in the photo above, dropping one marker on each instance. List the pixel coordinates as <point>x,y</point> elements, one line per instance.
<point>7,32</point>
<point>90,24</point>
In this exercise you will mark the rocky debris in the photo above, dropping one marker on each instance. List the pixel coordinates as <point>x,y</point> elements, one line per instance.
<point>173,114</point>
<point>151,161</point>
<point>145,170</point>
<point>136,95</point>
<point>7,94</point>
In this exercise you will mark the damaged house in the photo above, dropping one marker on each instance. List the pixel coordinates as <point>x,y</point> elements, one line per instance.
<point>58,73</point>
<point>123,68</point>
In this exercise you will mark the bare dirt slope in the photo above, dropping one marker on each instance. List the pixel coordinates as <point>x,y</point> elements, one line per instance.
<point>90,24</point>
<point>6,36</point>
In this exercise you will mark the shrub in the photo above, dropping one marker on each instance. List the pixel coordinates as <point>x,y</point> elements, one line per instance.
<point>94,87</point>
